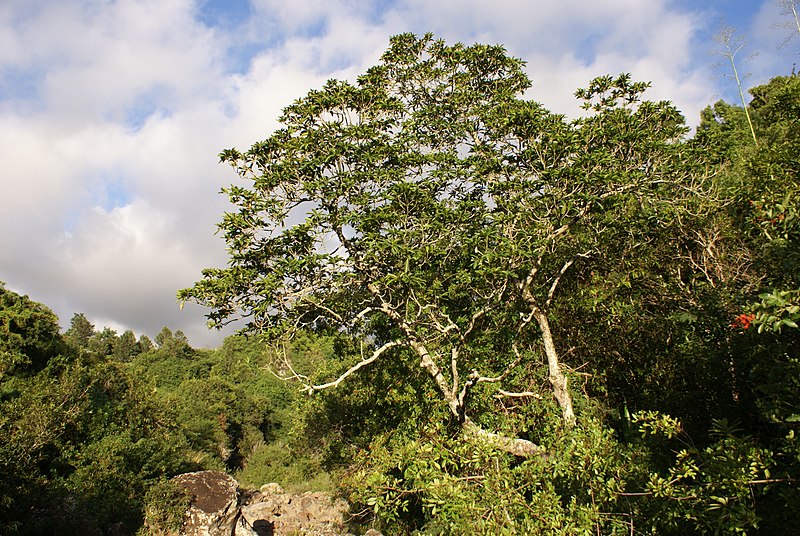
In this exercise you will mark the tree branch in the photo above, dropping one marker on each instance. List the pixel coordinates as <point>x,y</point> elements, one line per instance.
<point>364,362</point>
<point>476,378</point>
<point>522,394</point>
<point>515,446</point>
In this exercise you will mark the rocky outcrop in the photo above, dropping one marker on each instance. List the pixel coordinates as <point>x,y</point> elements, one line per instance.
<point>219,508</point>
<point>310,513</point>
<point>214,508</point>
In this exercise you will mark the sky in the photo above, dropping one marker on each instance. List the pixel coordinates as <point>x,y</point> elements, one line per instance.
<point>113,114</point>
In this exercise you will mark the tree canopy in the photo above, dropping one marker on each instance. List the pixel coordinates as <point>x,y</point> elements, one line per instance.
<point>433,212</point>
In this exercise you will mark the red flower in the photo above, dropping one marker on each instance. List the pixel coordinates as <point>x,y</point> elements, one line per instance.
<point>743,321</point>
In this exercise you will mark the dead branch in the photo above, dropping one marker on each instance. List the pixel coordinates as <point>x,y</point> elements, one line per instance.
<point>522,394</point>
<point>364,362</point>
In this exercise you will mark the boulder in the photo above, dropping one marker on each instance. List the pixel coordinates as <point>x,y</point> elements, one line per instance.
<point>272,487</point>
<point>214,509</point>
<point>219,508</point>
<point>311,513</point>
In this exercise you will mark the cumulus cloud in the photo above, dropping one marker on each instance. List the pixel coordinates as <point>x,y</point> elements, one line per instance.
<point>112,115</point>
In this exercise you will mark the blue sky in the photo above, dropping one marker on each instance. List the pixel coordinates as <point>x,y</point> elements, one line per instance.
<point>112,113</point>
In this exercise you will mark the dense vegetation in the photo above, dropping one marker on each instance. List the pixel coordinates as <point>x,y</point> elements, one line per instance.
<point>480,317</point>
<point>92,420</point>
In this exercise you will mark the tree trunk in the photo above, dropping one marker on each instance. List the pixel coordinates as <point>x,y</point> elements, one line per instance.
<point>557,378</point>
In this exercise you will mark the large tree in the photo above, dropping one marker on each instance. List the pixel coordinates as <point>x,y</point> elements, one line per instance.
<point>432,212</point>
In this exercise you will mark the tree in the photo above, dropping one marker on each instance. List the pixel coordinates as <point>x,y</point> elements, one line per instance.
<point>103,342</point>
<point>80,445</point>
<point>81,438</point>
<point>164,337</point>
<point>175,344</point>
<point>789,9</point>
<point>126,348</point>
<point>80,331</point>
<point>29,334</point>
<point>758,215</point>
<point>145,343</point>
<point>434,215</point>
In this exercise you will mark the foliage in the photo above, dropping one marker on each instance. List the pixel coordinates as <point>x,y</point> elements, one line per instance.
<point>284,463</point>
<point>165,508</point>
<point>84,433</point>
<point>79,332</point>
<point>81,438</point>
<point>589,483</point>
<point>759,182</point>
<point>29,335</point>
<point>776,310</point>
<point>216,417</point>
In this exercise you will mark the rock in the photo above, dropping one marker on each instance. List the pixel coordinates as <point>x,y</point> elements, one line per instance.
<point>219,508</point>
<point>243,528</point>
<point>272,488</point>
<point>214,509</point>
<point>310,513</point>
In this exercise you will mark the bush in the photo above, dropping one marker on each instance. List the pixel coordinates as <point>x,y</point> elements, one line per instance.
<point>165,508</point>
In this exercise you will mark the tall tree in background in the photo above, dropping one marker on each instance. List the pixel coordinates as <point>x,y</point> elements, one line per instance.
<point>80,331</point>
<point>126,347</point>
<point>758,219</point>
<point>789,9</point>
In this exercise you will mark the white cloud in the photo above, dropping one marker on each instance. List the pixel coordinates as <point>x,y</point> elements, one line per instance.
<point>96,59</point>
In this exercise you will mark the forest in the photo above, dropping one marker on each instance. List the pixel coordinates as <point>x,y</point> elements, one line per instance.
<point>463,314</point>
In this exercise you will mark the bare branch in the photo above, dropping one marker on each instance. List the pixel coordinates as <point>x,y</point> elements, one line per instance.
<point>561,273</point>
<point>364,362</point>
<point>789,9</point>
<point>454,367</point>
<point>426,359</point>
<point>328,310</point>
<point>288,364</point>
<point>475,378</point>
<point>515,446</point>
<point>556,281</point>
<point>732,44</point>
<point>523,394</point>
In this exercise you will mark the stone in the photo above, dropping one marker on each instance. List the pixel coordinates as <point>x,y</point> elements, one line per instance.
<point>243,528</point>
<point>219,508</point>
<point>310,513</point>
<point>214,508</point>
<point>272,488</point>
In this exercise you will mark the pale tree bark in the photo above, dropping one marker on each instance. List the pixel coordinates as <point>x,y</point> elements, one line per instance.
<point>557,378</point>
<point>453,389</point>
<point>455,401</point>
<point>516,446</point>
<point>732,45</point>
